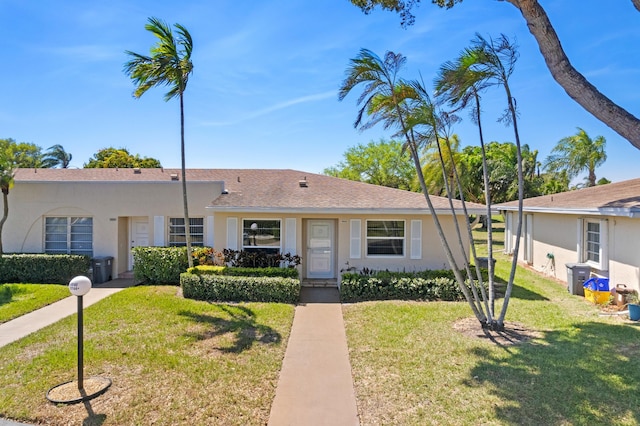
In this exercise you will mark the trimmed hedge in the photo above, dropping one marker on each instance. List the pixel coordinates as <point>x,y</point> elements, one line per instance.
<point>426,285</point>
<point>245,272</point>
<point>42,268</point>
<point>159,265</point>
<point>223,288</point>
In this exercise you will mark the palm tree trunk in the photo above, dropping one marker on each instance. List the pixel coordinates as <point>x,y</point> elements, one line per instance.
<point>574,83</point>
<point>5,214</point>
<point>187,224</point>
<point>514,261</point>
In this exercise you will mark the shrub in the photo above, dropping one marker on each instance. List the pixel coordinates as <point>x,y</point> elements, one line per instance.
<point>159,265</point>
<point>259,259</point>
<point>207,270</point>
<point>207,256</point>
<point>42,268</point>
<point>426,285</point>
<point>245,272</point>
<point>221,288</point>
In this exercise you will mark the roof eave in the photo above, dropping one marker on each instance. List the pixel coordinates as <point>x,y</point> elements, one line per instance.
<point>594,211</point>
<point>348,210</point>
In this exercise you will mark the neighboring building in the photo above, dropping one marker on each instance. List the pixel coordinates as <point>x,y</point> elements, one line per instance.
<point>598,226</point>
<point>333,224</point>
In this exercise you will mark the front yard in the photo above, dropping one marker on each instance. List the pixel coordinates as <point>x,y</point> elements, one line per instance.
<point>177,361</point>
<point>411,366</point>
<point>172,361</point>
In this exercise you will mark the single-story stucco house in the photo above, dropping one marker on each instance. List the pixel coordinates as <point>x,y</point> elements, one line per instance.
<point>597,226</point>
<point>333,224</point>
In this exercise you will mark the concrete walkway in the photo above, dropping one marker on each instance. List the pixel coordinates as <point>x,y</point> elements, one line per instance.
<point>22,326</point>
<point>315,385</point>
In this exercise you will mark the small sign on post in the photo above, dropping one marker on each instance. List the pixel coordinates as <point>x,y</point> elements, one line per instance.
<point>74,391</point>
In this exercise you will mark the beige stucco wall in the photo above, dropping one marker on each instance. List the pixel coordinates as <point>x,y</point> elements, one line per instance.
<point>557,234</point>
<point>110,205</point>
<point>114,206</point>
<point>433,256</point>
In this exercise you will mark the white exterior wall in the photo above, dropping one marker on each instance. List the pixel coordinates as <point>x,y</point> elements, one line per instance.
<point>557,234</point>
<point>109,204</point>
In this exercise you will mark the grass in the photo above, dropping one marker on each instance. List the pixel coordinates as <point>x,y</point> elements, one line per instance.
<point>20,299</point>
<point>411,368</point>
<point>171,360</point>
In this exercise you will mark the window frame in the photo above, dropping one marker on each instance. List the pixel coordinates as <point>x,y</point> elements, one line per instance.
<point>271,249</point>
<point>172,234</point>
<point>368,238</point>
<point>587,251</point>
<point>69,241</point>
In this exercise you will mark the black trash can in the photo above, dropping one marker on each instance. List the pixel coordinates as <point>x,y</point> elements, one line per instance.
<point>102,269</point>
<point>577,274</point>
<point>483,262</point>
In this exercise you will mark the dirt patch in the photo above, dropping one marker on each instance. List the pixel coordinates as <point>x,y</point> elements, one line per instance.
<point>514,333</point>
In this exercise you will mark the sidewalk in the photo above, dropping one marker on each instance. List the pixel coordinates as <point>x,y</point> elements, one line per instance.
<point>22,326</point>
<point>315,385</point>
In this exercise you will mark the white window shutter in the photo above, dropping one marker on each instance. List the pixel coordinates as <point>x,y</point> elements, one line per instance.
<point>232,233</point>
<point>210,240</point>
<point>416,239</point>
<point>604,244</point>
<point>580,241</point>
<point>158,231</point>
<point>355,240</point>
<point>290,235</point>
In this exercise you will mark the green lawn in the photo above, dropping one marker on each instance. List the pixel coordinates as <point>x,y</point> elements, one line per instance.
<point>19,299</point>
<point>172,361</point>
<point>412,368</point>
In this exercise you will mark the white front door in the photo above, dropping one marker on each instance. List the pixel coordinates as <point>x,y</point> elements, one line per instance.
<point>320,249</point>
<point>139,235</point>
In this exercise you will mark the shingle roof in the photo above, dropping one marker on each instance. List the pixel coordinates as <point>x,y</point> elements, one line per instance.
<point>621,197</point>
<point>263,189</point>
<point>111,175</point>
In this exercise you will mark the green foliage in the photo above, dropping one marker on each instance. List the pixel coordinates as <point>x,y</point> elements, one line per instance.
<point>425,285</point>
<point>56,156</point>
<point>383,163</point>
<point>574,154</point>
<point>263,272</point>
<point>244,272</point>
<point>207,256</point>
<point>159,265</point>
<point>42,268</point>
<point>207,270</point>
<point>112,158</point>
<point>222,288</point>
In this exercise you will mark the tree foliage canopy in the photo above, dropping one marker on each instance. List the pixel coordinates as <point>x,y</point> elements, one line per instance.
<point>559,65</point>
<point>383,163</point>
<point>119,157</point>
<point>578,153</point>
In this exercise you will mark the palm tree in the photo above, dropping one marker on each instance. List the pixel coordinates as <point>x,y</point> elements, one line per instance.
<point>486,64</point>
<point>384,100</point>
<point>56,156</point>
<point>169,65</point>
<point>577,153</point>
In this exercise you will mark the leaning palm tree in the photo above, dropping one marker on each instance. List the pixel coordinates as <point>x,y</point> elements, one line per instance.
<point>492,63</point>
<point>56,156</point>
<point>168,65</point>
<point>577,153</point>
<point>384,100</point>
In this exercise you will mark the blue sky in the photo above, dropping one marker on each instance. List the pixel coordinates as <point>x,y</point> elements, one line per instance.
<point>266,75</point>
